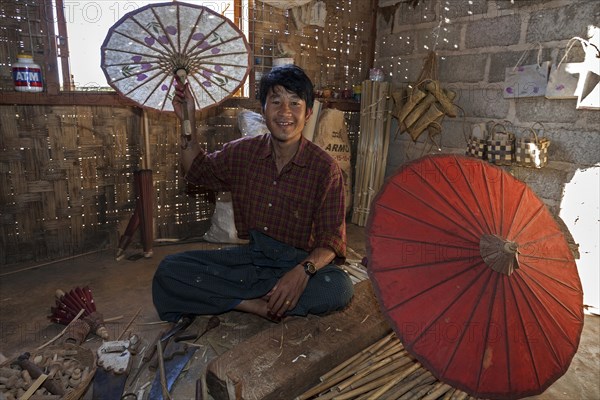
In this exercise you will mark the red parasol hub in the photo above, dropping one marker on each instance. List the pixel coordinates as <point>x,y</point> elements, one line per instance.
<point>475,276</point>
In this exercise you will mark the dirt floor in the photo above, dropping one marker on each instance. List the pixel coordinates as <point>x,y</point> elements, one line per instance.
<point>121,292</point>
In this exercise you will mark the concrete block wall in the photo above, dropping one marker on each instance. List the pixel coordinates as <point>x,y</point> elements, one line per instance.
<point>476,41</point>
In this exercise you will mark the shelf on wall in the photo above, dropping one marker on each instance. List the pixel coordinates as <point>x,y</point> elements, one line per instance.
<point>340,104</point>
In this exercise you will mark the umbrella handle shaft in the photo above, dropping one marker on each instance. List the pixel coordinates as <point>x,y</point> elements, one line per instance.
<point>187,126</point>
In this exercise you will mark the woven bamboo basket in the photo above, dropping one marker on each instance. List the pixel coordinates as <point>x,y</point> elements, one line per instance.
<point>80,357</point>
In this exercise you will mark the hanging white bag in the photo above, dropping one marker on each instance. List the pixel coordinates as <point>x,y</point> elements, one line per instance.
<point>562,82</point>
<point>526,80</point>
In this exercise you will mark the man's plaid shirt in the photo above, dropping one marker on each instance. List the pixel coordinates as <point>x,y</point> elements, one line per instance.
<point>302,206</point>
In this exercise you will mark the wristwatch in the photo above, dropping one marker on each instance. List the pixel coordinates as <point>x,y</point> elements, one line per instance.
<point>309,268</point>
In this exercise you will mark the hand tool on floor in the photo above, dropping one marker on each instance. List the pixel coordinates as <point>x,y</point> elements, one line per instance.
<point>179,326</point>
<point>114,360</point>
<point>150,355</point>
<point>176,356</point>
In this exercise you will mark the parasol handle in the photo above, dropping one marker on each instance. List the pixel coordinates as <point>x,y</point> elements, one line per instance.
<point>187,125</point>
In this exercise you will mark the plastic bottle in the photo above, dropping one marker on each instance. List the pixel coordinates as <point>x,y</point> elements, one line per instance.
<point>357,89</point>
<point>27,75</point>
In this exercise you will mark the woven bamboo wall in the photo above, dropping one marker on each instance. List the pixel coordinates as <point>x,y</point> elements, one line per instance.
<point>334,56</point>
<point>66,175</point>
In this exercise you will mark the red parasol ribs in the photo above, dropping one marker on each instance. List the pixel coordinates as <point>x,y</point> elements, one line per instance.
<point>475,276</point>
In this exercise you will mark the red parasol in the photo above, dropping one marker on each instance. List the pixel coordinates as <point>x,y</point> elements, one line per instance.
<point>142,217</point>
<point>475,276</point>
<point>69,305</point>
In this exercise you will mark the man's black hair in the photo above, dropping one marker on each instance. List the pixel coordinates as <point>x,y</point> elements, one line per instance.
<point>292,78</point>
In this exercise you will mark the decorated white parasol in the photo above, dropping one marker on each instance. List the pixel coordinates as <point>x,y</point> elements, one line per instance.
<point>148,48</point>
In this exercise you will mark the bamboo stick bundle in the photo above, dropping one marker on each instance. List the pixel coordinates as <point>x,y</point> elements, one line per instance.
<point>369,161</point>
<point>391,383</point>
<point>322,389</point>
<point>373,162</point>
<point>459,395</point>
<point>373,142</point>
<point>351,393</point>
<point>378,382</point>
<point>366,352</point>
<point>418,392</point>
<point>448,395</point>
<point>375,145</point>
<point>393,352</point>
<point>438,390</point>
<point>382,371</point>
<point>420,376</point>
<point>316,390</point>
<point>377,135</point>
<point>365,396</point>
<point>360,155</point>
<point>396,365</point>
<point>364,150</point>
<point>368,144</point>
<point>332,394</point>
<point>345,369</point>
<point>358,177</point>
<point>352,369</point>
<point>391,347</point>
<point>336,392</point>
<point>375,371</point>
<point>370,366</point>
<point>383,130</point>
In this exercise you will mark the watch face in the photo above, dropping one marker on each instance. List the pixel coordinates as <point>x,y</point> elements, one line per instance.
<point>310,268</point>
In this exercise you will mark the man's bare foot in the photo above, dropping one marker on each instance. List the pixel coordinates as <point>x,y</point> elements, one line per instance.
<point>258,307</point>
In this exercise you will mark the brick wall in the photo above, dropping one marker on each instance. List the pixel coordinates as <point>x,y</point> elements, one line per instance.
<point>475,42</point>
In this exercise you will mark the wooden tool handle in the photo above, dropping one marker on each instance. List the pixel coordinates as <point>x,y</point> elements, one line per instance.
<point>187,126</point>
<point>36,372</point>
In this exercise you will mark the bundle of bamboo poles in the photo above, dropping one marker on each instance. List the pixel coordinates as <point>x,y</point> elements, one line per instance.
<point>382,371</point>
<point>371,157</point>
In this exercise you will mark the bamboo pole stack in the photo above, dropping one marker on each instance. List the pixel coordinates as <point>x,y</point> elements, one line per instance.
<point>371,160</point>
<point>382,371</point>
